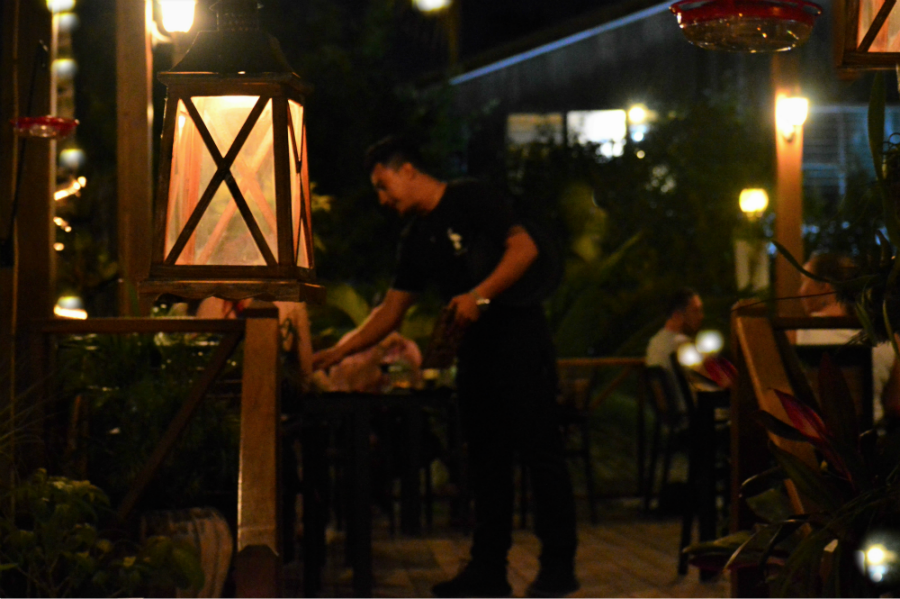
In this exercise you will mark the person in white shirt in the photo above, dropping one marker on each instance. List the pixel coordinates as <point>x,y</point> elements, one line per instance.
<point>684,318</point>
<point>819,298</point>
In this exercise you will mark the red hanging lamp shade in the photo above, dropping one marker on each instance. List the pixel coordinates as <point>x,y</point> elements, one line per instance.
<point>51,127</point>
<point>746,25</point>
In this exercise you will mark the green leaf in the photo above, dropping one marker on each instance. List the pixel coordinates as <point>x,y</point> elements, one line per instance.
<point>778,427</point>
<point>876,144</point>
<point>810,483</point>
<point>784,531</point>
<point>876,124</point>
<point>793,261</point>
<point>188,565</point>
<point>772,505</point>
<point>347,299</point>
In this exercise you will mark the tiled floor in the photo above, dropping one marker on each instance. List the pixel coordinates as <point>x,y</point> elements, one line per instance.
<point>626,555</point>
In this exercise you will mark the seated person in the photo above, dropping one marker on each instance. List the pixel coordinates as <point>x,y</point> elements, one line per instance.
<point>684,317</point>
<point>819,298</point>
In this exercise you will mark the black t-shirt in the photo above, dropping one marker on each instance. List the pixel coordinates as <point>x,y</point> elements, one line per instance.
<point>456,245</point>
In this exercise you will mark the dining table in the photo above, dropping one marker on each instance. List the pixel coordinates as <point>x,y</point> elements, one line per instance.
<point>315,416</point>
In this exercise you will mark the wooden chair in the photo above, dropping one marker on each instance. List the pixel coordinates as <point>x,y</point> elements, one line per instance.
<point>669,422</point>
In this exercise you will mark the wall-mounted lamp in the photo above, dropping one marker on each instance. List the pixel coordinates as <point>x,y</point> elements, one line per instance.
<point>790,114</point>
<point>753,202</point>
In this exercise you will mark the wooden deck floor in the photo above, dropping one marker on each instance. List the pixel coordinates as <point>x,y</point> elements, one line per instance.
<point>627,555</point>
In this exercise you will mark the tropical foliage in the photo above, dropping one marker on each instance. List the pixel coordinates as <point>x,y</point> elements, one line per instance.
<point>638,226</point>
<point>130,387</point>
<point>853,493</point>
<point>51,546</point>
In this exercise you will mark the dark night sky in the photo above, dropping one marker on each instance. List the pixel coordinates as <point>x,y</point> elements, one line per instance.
<point>490,23</point>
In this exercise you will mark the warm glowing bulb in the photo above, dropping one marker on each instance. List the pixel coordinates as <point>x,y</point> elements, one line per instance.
<point>688,356</point>
<point>709,342</point>
<point>60,5</point>
<point>177,15</point>
<point>65,68</point>
<point>790,114</point>
<point>637,114</point>
<point>875,555</point>
<point>431,5</point>
<point>753,200</point>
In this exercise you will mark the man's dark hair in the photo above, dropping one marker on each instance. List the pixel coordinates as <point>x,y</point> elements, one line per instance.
<point>832,266</point>
<point>680,300</point>
<point>393,151</point>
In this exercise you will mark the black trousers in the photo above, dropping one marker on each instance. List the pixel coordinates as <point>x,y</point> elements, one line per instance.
<point>507,391</point>
<point>497,432</point>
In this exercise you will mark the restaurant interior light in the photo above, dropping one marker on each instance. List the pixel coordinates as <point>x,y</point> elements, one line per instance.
<point>177,15</point>
<point>790,114</point>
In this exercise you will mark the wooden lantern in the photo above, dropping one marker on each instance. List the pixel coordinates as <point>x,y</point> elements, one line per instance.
<point>867,34</point>
<point>232,216</point>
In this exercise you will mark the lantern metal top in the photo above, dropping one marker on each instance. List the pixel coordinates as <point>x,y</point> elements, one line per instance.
<point>236,46</point>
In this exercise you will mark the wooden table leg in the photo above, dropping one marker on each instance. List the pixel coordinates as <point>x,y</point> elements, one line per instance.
<point>361,505</point>
<point>410,496</point>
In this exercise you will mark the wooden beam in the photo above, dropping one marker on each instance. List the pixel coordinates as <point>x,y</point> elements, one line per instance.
<point>134,113</point>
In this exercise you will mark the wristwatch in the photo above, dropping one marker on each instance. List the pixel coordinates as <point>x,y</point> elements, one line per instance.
<point>483,303</point>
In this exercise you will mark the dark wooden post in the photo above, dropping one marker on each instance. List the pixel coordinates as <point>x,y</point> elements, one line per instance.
<point>134,119</point>
<point>258,561</point>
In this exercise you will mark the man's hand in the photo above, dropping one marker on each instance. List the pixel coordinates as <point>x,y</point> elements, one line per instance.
<point>465,307</point>
<point>322,360</point>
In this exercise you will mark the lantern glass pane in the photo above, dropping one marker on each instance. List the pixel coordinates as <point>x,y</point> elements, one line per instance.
<point>888,39</point>
<point>300,199</point>
<point>222,236</point>
<point>192,170</point>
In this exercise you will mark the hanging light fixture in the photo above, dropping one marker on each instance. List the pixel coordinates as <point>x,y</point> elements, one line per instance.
<point>746,25</point>
<point>232,216</point>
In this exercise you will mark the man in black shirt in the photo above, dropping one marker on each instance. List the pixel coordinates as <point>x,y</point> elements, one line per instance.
<point>468,242</point>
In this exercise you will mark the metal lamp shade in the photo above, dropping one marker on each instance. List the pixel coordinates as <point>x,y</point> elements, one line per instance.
<point>233,205</point>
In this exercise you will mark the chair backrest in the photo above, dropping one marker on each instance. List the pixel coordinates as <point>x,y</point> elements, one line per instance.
<point>685,396</point>
<point>660,390</point>
<point>575,384</point>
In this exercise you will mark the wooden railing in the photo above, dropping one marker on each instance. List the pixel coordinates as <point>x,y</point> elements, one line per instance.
<point>578,377</point>
<point>258,561</point>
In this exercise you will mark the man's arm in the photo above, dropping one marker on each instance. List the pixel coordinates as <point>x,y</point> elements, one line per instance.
<point>383,319</point>
<point>520,252</point>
